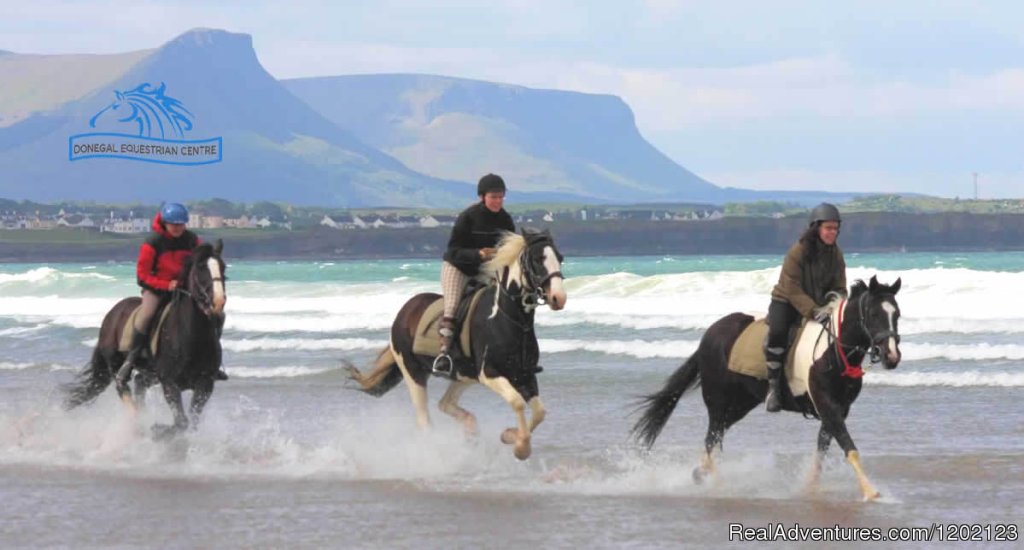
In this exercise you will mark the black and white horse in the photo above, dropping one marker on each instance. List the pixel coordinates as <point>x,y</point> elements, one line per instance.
<point>504,352</point>
<point>830,363</point>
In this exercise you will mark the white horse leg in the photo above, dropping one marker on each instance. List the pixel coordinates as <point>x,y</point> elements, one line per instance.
<point>537,413</point>
<point>417,393</point>
<point>449,405</point>
<point>521,436</point>
<point>869,491</point>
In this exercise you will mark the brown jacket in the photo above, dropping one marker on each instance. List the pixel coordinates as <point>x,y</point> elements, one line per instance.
<point>804,285</point>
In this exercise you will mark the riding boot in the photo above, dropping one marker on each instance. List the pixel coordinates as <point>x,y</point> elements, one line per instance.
<point>138,346</point>
<point>443,364</point>
<point>773,401</point>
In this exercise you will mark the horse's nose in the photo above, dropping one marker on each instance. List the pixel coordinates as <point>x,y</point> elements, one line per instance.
<point>892,356</point>
<point>556,294</point>
<point>557,300</point>
<point>218,304</point>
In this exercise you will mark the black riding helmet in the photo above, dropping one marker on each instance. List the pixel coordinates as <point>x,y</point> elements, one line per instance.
<point>824,212</point>
<point>491,183</point>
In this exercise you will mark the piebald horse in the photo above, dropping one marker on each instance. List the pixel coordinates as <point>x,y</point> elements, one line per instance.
<point>866,324</point>
<point>526,271</point>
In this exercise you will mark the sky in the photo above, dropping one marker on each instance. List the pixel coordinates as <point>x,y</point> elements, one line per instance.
<point>906,96</point>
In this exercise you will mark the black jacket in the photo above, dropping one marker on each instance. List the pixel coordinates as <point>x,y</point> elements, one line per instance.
<point>476,228</point>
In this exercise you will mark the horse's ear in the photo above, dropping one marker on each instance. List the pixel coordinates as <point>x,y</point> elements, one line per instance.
<point>218,247</point>
<point>873,286</point>
<point>896,286</point>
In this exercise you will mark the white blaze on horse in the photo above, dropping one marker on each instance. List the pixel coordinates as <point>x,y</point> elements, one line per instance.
<point>823,371</point>
<point>498,343</point>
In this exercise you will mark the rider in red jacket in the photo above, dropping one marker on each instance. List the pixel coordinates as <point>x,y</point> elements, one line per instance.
<point>161,259</point>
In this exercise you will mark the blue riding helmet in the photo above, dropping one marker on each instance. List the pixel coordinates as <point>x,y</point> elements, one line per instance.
<point>173,212</point>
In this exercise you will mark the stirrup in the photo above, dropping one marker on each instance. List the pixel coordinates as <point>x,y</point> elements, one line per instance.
<point>441,360</point>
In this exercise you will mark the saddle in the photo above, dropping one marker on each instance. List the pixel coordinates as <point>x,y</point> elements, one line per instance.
<point>747,354</point>
<point>125,343</point>
<point>427,340</point>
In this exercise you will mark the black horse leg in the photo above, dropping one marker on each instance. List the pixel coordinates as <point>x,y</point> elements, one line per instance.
<point>717,425</point>
<point>143,381</point>
<point>172,393</point>
<point>833,419</point>
<point>824,440</point>
<point>719,421</point>
<point>200,396</point>
<point>124,393</point>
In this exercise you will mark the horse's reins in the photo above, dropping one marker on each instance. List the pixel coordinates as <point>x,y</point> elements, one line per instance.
<point>528,298</point>
<point>199,295</point>
<point>873,350</point>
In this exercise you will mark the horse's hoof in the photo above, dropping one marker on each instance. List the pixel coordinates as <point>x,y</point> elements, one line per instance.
<point>469,429</point>
<point>509,436</point>
<point>698,475</point>
<point>522,450</point>
<point>872,497</point>
<point>163,432</point>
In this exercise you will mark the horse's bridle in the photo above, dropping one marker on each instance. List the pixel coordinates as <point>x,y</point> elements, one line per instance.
<point>536,296</point>
<point>198,293</point>
<point>873,350</point>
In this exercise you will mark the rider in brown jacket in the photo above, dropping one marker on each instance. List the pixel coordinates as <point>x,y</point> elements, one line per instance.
<point>814,266</point>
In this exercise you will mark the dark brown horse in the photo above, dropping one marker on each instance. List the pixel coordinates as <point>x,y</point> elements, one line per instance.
<point>865,324</point>
<point>188,350</point>
<point>504,354</point>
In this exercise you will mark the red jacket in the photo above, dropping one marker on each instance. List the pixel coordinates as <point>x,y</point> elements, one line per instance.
<point>161,257</point>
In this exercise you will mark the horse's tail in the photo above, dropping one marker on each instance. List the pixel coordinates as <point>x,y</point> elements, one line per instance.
<point>89,383</point>
<point>659,405</point>
<point>384,376</point>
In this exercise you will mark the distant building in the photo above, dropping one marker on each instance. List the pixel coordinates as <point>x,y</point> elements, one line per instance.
<point>76,221</point>
<point>126,225</point>
<point>338,221</point>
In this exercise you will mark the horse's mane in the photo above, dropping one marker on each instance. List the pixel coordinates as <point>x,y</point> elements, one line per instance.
<point>510,247</point>
<point>859,287</point>
<point>200,254</point>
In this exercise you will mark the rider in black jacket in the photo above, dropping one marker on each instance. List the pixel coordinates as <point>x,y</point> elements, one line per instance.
<point>472,242</point>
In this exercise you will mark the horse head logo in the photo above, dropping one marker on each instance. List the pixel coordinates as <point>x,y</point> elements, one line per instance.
<point>156,115</point>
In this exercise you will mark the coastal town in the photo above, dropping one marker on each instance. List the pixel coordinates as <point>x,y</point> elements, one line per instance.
<point>219,214</point>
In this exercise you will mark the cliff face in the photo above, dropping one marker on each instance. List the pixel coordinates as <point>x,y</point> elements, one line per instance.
<point>581,145</point>
<point>275,147</point>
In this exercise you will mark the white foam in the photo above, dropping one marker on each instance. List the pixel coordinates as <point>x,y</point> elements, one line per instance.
<point>256,344</point>
<point>21,331</point>
<point>275,372</point>
<point>48,275</point>
<point>934,300</point>
<point>961,352</point>
<point>965,378</point>
<point>308,323</point>
<point>25,366</point>
<point>634,348</point>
